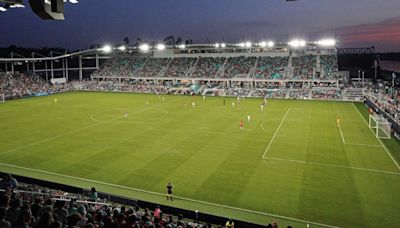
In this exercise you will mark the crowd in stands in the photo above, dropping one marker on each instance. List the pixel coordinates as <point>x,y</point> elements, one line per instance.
<point>303,67</point>
<point>238,67</point>
<point>19,85</point>
<point>207,67</point>
<point>329,66</point>
<point>271,67</point>
<point>263,67</point>
<point>389,101</point>
<point>326,93</point>
<point>30,206</point>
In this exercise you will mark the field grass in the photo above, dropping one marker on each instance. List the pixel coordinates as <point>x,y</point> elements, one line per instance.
<point>290,164</point>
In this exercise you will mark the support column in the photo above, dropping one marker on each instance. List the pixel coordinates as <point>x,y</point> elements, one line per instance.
<point>47,73</point>
<point>66,70</point>
<point>33,64</point>
<point>80,69</point>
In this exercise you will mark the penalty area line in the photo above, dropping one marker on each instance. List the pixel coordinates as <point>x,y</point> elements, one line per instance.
<point>163,195</point>
<point>379,140</point>
<point>334,166</point>
<point>276,132</point>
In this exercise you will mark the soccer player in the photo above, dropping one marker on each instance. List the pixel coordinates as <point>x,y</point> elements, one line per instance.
<point>223,101</point>
<point>193,104</point>
<point>169,191</point>
<point>204,97</point>
<point>338,122</point>
<point>125,114</point>
<point>233,104</point>
<point>248,118</point>
<point>262,107</point>
<point>147,102</point>
<point>241,124</point>
<point>55,100</point>
<point>163,99</point>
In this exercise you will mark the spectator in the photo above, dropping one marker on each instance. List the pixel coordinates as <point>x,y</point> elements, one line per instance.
<point>45,221</point>
<point>93,194</point>
<point>14,211</point>
<point>3,222</point>
<point>24,219</point>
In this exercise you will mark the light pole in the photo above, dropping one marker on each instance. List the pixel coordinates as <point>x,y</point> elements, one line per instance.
<point>393,78</point>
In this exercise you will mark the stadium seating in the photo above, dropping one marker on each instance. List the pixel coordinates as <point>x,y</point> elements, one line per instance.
<point>303,67</point>
<point>271,67</point>
<point>238,66</point>
<point>19,85</point>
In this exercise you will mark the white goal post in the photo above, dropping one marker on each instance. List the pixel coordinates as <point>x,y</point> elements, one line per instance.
<point>381,126</point>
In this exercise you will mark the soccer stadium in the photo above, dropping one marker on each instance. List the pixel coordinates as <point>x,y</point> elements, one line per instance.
<point>291,133</point>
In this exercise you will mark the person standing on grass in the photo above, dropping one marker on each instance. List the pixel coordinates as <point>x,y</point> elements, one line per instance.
<point>169,191</point>
<point>241,125</point>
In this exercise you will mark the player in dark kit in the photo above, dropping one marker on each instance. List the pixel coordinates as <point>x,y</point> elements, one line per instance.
<point>169,191</point>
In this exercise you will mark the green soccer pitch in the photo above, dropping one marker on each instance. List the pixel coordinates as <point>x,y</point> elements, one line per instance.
<point>291,163</point>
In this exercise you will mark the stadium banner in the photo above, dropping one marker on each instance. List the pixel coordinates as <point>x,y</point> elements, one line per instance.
<point>58,80</point>
<point>395,126</point>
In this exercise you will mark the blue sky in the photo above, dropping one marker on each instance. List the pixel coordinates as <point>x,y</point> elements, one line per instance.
<point>355,23</point>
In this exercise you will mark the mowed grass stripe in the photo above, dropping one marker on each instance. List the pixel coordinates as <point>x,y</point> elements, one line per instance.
<point>204,153</point>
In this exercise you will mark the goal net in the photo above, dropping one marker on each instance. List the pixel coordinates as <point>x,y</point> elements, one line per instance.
<point>381,126</point>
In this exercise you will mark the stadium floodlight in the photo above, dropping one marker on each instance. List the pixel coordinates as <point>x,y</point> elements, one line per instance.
<point>2,9</point>
<point>106,48</point>
<point>182,46</point>
<point>248,44</point>
<point>242,44</point>
<point>121,48</point>
<point>216,45</point>
<point>297,43</point>
<point>223,45</point>
<point>160,47</point>
<point>327,42</point>
<point>263,44</point>
<point>144,47</point>
<point>271,44</point>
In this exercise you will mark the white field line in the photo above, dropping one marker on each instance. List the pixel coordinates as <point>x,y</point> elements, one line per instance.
<point>335,166</point>
<point>161,194</point>
<point>66,133</point>
<point>276,132</point>
<point>341,134</point>
<point>379,140</point>
<point>362,144</point>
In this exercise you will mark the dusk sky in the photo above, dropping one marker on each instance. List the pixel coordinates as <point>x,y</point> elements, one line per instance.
<point>355,23</point>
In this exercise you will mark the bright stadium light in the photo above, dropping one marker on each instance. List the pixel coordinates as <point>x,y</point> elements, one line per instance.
<point>248,44</point>
<point>160,47</point>
<point>216,45</point>
<point>223,45</point>
<point>327,42</point>
<point>242,44</point>
<point>144,47</point>
<point>263,44</point>
<point>297,43</point>
<point>106,48</point>
<point>271,44</point>
<point>182,46</point>
<point>121,48</point>
<point>17,6</point>
<point>2,9</point>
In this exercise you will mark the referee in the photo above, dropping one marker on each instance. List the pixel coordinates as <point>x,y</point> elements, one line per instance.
<point>169,191</point>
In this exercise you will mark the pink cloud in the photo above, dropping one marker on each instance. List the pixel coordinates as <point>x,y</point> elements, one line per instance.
<point>384,35</point>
